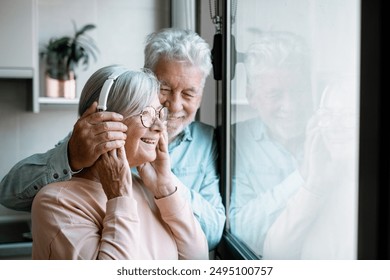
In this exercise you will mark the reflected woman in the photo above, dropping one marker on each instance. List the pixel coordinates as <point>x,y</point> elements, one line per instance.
<point>319,221</point>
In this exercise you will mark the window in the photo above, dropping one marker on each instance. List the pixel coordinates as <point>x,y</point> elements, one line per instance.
<point>291,111</point>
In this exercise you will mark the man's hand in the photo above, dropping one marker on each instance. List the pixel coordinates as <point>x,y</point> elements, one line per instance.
<point>94,134</point>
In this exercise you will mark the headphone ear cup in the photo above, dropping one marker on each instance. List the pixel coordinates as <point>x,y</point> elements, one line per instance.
<point>103,97</point>
<point>104,93</point>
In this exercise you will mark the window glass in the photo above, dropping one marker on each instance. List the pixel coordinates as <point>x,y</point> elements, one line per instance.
<point>294,128</point>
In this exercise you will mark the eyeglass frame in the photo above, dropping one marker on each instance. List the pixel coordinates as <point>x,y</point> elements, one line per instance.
<point>157,115</point>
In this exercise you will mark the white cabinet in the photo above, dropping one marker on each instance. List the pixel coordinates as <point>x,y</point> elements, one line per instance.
<point>18,48</point>
<point>16,33</point>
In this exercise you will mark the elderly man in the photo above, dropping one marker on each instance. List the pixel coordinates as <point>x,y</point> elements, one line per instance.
<point>181,61</point>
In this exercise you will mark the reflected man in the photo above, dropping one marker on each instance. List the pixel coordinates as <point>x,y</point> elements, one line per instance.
<point>268,149</point>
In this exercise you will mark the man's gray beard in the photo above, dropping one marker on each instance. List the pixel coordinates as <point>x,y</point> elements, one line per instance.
<point>172,136</point>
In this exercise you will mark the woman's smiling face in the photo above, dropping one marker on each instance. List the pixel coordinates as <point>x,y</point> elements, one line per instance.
<point>141,142</point>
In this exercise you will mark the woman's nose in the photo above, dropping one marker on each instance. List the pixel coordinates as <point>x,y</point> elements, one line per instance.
<point>158,125</point>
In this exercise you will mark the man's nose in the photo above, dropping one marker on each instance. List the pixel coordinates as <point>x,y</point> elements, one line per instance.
<point>174,102</point>
<point>286,103</point>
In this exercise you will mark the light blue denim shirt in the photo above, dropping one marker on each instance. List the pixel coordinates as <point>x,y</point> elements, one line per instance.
<point>193,160</point>
<point>265,176</point>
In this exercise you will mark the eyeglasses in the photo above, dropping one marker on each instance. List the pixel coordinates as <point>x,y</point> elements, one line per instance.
<point>149,115</point>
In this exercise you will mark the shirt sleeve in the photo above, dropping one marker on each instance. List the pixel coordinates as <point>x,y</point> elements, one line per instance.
<point>259,210</point>
<point>27,177</point>
<point>177,214</point>
<point>206,201</point>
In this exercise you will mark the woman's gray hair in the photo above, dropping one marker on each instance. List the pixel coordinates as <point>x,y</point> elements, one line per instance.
<point>130,93</point>
<point>178,44</point>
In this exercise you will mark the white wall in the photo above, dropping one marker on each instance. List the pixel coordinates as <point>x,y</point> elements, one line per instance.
<point>121,29</point>
<point>122,26</point>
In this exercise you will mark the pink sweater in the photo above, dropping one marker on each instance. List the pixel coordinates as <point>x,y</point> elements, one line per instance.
<point>74,220</point>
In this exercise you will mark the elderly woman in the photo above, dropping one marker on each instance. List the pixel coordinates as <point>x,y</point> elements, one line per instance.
<point>105,211</point>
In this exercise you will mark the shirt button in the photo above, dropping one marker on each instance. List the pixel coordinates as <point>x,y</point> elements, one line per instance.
<point>55,176</point>
<point>65,171</point>
<point>35,188</point>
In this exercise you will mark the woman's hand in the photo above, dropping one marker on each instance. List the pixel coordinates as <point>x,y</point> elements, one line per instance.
<point>318,169</point>
<point>157,175</point>
<point>114,173</point>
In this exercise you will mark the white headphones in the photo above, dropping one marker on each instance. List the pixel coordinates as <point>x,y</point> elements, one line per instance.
<point>102,106</point>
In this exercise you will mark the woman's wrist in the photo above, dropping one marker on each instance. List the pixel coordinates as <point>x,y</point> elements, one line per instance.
<point>119,193</point>
<point>164,191</point>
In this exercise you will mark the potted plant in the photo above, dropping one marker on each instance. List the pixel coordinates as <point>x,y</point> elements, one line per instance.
<point>62,56</point>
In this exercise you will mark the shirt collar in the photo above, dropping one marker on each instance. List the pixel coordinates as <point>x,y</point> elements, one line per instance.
<point>258,130</point>
<point>260,133</point>
<point>185,135</point>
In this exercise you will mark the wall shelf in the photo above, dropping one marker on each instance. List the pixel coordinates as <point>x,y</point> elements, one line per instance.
<point>58,101</point>
<point>16,73</point>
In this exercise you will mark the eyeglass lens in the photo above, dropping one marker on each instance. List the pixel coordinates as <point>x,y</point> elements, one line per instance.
<point>149,115</point>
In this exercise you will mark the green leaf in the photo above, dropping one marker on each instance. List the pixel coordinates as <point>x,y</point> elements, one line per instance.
<point>65,53</point>
<point>85,29</point>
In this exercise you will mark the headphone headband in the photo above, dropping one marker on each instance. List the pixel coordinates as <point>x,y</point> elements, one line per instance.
<point>105,91</point>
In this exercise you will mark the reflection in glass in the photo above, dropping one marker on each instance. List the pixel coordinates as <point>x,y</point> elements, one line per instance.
<point>318,221</point>
<point>294,138</point>
<point>269,147</point>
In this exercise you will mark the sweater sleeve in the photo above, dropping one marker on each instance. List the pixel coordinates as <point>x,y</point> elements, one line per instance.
<point>288,233</point>
<point>121,230</point>
<point>66,233</point>
<point>177,214</point>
